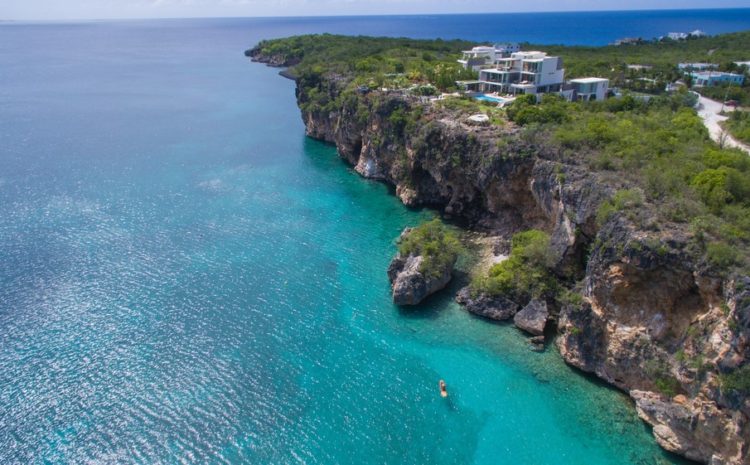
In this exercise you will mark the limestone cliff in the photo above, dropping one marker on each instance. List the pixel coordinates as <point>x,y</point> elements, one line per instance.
<point>654,320</point>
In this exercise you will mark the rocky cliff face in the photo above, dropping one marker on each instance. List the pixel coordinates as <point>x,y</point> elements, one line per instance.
<point>653,321</point>
<point>654,326</point>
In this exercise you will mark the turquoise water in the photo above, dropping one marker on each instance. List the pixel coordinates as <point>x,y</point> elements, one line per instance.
<point>185,278</point>
<point>489,98</point>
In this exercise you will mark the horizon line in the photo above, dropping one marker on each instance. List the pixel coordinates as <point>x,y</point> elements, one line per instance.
<point>162,18</point>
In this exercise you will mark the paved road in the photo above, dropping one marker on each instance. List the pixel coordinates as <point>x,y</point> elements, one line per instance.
<point>709,111</point>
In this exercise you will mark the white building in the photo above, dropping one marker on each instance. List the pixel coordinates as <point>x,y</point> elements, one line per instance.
<point>684,35</point>
<point>677,35</point>
<point>590,88</point>
<point>523,73</point>
<point>484,55</point>
<point>696,66</point>
<point>715,78</point>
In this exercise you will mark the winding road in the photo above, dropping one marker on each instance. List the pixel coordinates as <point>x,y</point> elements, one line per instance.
<point>709,111</point>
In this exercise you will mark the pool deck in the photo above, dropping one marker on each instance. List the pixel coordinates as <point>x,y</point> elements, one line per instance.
<point>493,97</point>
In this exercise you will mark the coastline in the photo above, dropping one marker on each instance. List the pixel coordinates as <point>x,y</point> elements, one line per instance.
<point>542,192</point>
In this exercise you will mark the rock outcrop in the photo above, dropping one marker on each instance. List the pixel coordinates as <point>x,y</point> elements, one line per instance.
<point>677,422</point>
<point>654,325</point>
<point>654,320</point>
<point>496,308</point>
<point>410,285</point>
<point>533,317</point>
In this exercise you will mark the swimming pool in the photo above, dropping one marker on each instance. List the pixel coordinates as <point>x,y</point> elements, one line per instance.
<point>489,98</point>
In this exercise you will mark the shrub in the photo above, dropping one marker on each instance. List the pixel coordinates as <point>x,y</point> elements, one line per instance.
<point>668,385</point>
<point>664,382</point>
<point>739,125</point>
<point>525,273</point>
<point>623,199</point>
<point>438,246</point>
<point>720,255</point>
<point>738,380</point>
<point>525,110</point>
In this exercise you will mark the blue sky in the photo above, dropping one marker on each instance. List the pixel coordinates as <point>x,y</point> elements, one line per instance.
<point>93,9</point>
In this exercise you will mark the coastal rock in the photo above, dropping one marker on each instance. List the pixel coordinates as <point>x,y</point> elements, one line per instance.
<point>537,343</point>
<point>533,317</point>
<point>410,286</point>
<point>496,308</point>
<point>696,429</point>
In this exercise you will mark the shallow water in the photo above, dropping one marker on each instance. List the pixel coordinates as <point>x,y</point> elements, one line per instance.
<point>185,278</point>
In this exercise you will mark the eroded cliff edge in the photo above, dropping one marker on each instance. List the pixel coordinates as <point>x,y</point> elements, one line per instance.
<point>655,320</point>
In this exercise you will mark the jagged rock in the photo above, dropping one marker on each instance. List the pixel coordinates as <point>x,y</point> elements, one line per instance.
<point>696,429</point>
<point>410,285</point>
<point>496,308</point>
<point>533,317</point>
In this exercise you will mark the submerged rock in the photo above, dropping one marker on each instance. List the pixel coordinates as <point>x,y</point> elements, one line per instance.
<point>533,317</point>
<point>496,308</point>
<point>411,286</point>
<point>537,343</point>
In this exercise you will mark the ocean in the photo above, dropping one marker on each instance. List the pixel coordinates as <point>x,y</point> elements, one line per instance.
<point>186,278</point>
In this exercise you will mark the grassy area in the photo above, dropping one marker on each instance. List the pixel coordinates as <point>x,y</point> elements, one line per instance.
<point>738,125</point>
<point>436,243</point>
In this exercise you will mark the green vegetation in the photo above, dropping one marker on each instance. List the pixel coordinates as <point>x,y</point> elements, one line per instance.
<point>612,62</point>
<point>738,380</point>
<point>524,110</point>
<point>436,243</point>
<point>664,382</point>
<point>525,273</point>
<point>625,199</point>
<point>401,62</point>
<point>395,63</point>
<point>661,151</point>
<point>738,125</point>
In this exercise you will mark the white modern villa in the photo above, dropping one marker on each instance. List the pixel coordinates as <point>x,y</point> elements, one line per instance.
<point>523,73</point>
<point>484,55</point>
<point>590,88</point>
<point>696,66</point>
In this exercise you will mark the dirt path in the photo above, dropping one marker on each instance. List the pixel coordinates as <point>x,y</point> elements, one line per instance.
<point>709,110</point>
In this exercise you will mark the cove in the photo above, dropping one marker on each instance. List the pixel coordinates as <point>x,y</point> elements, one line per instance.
<point>186,278</point>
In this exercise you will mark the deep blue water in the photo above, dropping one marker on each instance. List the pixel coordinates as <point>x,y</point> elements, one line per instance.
<point>185,278</point>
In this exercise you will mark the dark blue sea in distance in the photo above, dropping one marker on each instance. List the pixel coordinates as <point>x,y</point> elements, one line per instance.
<point>185,278</point>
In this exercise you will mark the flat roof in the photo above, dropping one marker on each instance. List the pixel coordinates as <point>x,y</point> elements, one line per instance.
<point>497,71</point>
<point>589,80</point>
<point>708,74</point>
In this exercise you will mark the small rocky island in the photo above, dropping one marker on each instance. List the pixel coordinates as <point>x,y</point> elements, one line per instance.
<point>627,226</point>
<point>424,263</point>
